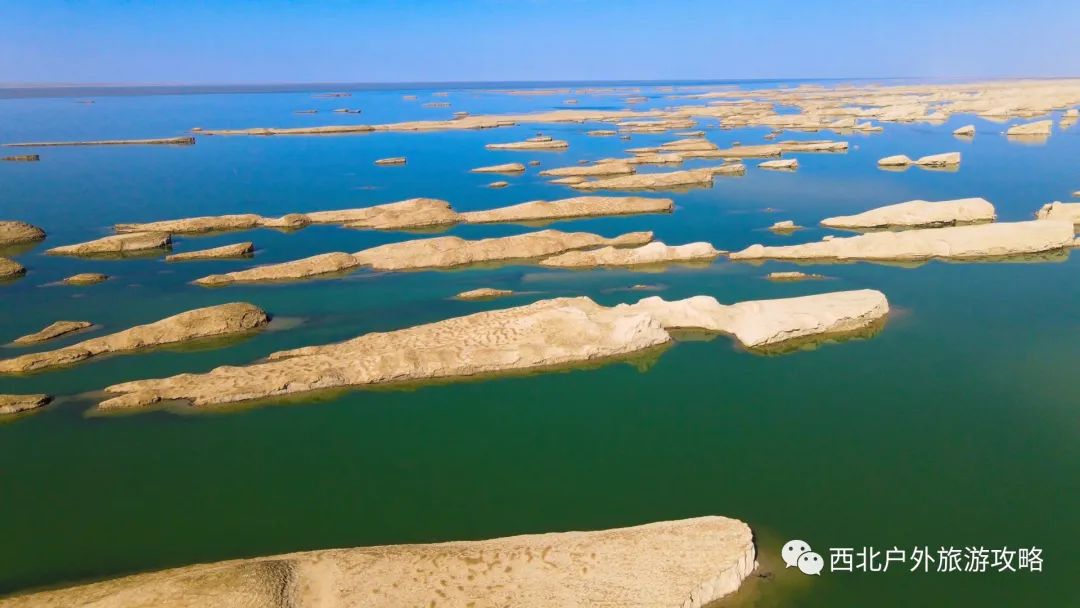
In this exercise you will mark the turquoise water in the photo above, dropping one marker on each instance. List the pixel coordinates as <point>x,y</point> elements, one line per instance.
<point>956,425</point>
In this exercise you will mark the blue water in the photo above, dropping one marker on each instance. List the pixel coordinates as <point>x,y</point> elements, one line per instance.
<point>956,425</point>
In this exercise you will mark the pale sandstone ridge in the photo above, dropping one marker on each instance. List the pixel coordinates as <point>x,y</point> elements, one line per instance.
<point>898,160</point>
<point>16,404</point>
<point>117,244</point>
<point>678,564</point>
<point>86,278</point>
<point>544,334</point>
<point>237,250</point>
<point>663,181</point>
<point>395,160</point>
<point>533,143</point>
<point>438,252</point>
<point>15,233</point>
<point>965,131</point>
<point>652,253</point>
<point>788,164</point>
<point>53,331</point>
<point>484,293</point>
<point>212,321</point>
<point>792,276</point>
<point>918,214</point>
<point>785,226</point>
<point>581,206</point>
<point>10,269</point>
<point>952,243</point>
<point>947,159</point>
<point>499,184</point>
<point>505,168</point>
<point>604,168</point>
<point>168,141</point>
<point>1058,210</point>
<point>1039,128</point>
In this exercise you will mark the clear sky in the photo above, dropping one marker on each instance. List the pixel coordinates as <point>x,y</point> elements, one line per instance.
<point>263,41</point>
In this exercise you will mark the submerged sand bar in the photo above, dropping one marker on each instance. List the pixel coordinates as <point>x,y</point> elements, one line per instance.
<point>952,243</point>
<point>678,564</point>
<point>548,333</point>
<point>209,322</point>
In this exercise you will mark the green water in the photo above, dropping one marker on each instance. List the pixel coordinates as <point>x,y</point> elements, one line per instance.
<point>956,425</point>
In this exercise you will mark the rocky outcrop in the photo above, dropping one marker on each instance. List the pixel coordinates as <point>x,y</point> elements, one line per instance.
<point>980,241</point>
<point>651,253</point>
<point>17,233</point>
<point>86,278</point>
<point>664,180</point>
<point>317,265</point>
<point>167,141</point>
<point>917,214</point>
<point>504,168</point>
<point>484,293</point>
<point>965,131</point>
<point>686,563</point>
<point>499,184</point>
<point>395,160</point>
<point>819,145</point>
<point>534,143</point>
<point>9,269</point>
<point>948,159</point>
<point>792,276</point>
<point>1039,128</point>
<point>1058,210</point>
<point>117,244</point>
<point>672,158</point>
<point>898,160</point>
<point>607,168</point>
<point>22,158</point>
<point>17,404</point>
<point>237,250</point>
<point>411,213</point>
<point>210,322</point>
<point>582,206</point>
<point>788,164</point>
<point>544,334</point>
<point>784,226</point>
<point>53,331</point>
<point>196,225</point>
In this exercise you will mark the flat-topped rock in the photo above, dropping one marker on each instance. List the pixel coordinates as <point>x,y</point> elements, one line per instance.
<point>316,265</point>
<point>167,141</point>
<point>784,226</point>
<point>237,250</point>
<point>10,269</point>
<point>688,145</point>
<point>607,168</point>
<point>53,331</point>
<point>965,131</point>
<point>504,168</point>
<point>898,160</point>
<point>686,563</point>
<point>394,160</point>
<point>1058,210</point>
<point>581,206</point>
<point>651,181</point>
<point>544,334</point>
<point>195,225</point>
<point>818,145</point>
<point>531,144</point>
<point>787,164</point>
<point>212,321</point>
<point>918,214</point>
<point>411,213</point>
<point>953,243</point>
<point>947,159</point>
<point>601,133</point>
<point>792,276</point>
<point>484,293</point>
<point>17,404</point>
<point>499,184</point>
<point>16,233</point>
<point>1039,128</point>
<point>672,158</point>
<point>117,244</point>
<point>569,181</point>
<point>86,278</point>
<point>651,253</point>
<point>755,151</point>
<point>452,251</point>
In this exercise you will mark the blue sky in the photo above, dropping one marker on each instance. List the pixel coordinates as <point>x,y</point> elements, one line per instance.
<point>260,41</point>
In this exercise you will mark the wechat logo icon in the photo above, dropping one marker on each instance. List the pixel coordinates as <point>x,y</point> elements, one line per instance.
<point>797,554</point>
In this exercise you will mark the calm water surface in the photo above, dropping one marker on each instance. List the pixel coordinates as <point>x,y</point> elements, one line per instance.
<point>956,425</point>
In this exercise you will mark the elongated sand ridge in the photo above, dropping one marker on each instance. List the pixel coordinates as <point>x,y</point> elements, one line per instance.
<point>430,253</point>
<point>236,250</point>
<point>977,241</point>
<point>52,331</point>
<point>166,141</point>
<point>117,244</point>
<point>678,564</point>
<point>651,253</point>
<point>407,214</point>
<point>544,334</point>
<point>16,233</point>
<point>212,321</point>
<point>918,214</point>
<point>670,180</point>
<point>17,404</point>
